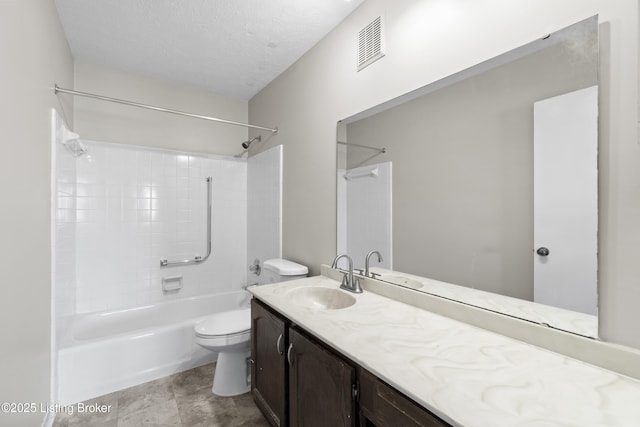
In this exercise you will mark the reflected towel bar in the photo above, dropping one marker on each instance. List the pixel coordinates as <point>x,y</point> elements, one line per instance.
<point>374,172</point>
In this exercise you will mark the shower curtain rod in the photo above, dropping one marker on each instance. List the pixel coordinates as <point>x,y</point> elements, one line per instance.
<point>379,150</point>
<point>57,89</point>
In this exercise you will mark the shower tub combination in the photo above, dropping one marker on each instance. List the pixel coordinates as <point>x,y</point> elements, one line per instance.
<point>103,352</point>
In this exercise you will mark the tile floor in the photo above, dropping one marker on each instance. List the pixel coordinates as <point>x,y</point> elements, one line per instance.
<point>180,400</point>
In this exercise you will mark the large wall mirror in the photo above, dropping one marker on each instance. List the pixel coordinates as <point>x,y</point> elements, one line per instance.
<point>482,187</point>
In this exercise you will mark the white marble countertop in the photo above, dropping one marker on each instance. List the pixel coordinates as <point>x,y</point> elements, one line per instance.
<point>466,375</point>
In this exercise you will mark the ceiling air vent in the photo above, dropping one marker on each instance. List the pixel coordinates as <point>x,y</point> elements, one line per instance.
<point>370,43</point>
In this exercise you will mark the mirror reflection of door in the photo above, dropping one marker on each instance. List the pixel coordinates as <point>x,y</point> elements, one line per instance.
<point>566,200</point>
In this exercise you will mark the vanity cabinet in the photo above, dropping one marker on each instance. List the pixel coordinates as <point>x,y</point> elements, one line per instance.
<point>269,373</point>
<point>383,406</point>
<point>321,384</point>
<point>299,381</point>
<point>308,385</point>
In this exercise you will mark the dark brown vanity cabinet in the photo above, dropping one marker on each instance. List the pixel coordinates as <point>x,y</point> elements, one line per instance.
<point>308,385</point>
<point>268,364</point>
<point>321,385</point>
<point>383,406</point>
<point>299,382</point>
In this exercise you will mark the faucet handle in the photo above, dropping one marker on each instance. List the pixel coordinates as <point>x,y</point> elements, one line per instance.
<point>355,286</point>
<point>345,281</point>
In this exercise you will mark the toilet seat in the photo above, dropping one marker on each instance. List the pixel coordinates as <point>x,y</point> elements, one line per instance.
<point>226,324</point>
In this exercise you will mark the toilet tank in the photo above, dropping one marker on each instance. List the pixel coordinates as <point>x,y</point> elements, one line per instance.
<point>280,270</point>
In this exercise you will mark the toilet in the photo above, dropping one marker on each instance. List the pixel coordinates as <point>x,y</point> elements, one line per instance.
<point>229,333</point>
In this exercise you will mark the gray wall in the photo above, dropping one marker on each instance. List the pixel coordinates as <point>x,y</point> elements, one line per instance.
<point>463,169</point>
<point>34,56</point>
<point>425,41</point>
<point>109,122</point>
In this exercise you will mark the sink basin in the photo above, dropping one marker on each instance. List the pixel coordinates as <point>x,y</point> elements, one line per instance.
<point>322,298</point>
<point>402,281</point>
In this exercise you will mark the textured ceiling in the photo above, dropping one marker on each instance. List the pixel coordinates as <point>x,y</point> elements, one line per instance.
<point>230,47</point>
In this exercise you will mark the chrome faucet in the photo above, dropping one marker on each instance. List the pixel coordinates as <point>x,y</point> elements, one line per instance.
<point>349,283</point>
<point>366,263</point>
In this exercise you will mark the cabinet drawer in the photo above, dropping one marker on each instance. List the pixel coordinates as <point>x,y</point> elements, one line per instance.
<point>384,406</point>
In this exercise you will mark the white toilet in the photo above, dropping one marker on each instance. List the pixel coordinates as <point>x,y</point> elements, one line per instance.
<point>229,333</point>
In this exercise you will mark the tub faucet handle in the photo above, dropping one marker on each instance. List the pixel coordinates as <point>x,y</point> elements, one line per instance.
<point>255,267</point>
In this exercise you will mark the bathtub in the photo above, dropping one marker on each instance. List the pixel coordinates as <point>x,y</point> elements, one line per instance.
<point>99,353</point>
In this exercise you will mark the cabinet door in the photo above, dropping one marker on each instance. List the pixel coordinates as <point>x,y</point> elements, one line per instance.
<point>268,368</point>
<point>320,385</point>
<point>383,406</point>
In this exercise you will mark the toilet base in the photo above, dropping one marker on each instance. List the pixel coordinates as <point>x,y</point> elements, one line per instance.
<point>233,374</point>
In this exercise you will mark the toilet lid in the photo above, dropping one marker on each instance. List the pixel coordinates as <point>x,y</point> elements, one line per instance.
<point>225,323</point>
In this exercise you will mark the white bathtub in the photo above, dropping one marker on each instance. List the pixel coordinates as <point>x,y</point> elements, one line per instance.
<point>99,353</point>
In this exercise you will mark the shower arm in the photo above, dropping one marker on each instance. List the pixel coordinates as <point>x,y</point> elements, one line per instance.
<point>196,259</point>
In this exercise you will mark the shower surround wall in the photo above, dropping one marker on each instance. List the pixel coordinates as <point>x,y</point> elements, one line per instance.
<point>64,243</point>
<point>364,213</point>
<point>134,206</point>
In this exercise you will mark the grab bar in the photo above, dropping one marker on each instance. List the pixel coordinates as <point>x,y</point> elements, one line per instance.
<point>197,259</point>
